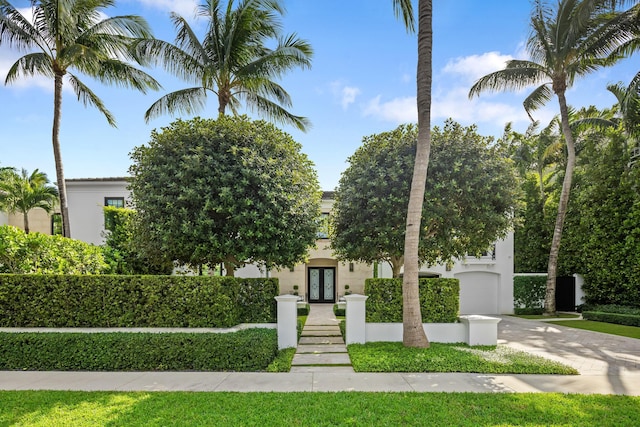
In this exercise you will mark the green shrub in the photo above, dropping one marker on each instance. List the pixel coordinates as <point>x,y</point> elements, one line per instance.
<point>135,301</point>
<point>611,308</point>
<point>528,294</point>
<point>247,350</point>
<point>439,300</point>
<point>304,311</point>
<point>339,311</point>
<point>37,253</point>
<point>617,318</point>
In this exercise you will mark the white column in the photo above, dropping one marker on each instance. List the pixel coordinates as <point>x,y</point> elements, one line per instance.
<point>355,327</point>
<point>481,330</point>
<point>287,321</point>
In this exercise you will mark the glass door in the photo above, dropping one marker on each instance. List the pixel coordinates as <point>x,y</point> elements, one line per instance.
<point>322,284</point>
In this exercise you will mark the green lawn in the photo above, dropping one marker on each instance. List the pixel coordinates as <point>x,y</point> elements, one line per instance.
<point>607,328</point>
<point>56,408</point>
<point>393,357</point>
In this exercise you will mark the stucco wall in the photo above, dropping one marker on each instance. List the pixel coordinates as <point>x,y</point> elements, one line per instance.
<point>39,221</point>
<point>86,202</point>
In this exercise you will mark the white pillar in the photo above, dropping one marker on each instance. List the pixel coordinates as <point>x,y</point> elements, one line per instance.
<point>355,327</point>
<point>287,321</point>
<point>481,330</point>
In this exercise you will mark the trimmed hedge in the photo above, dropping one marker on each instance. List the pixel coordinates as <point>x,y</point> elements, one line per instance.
<point>304,311</point>
<point>339,311</point>
<point>135,301</point>
<point>528,294</point>
<point>248,350</point>
<point>439,300</point>
<point>617,318</point>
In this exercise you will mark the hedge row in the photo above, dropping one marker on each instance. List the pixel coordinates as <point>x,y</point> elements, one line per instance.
<point>246,351</point>
<point>617,318</point>
<point>439,300</point>
<point>528,294</point>
<point>135,301</point>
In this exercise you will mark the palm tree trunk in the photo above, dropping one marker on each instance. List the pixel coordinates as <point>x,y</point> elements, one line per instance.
<point>25,217</point>
<point>552,268</point>
<point>413,333</point>
<point>55,137</point>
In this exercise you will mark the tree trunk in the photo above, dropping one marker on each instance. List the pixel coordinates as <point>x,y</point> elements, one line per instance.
<point>55,138</point>
<point>396,265</point>
<point>229,269</point>
<point>413,333</point>
<point>25,216</point>
<point>552,268</point>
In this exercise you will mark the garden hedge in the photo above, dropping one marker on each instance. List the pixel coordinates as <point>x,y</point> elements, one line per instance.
<point>135,301</point>
<point>247,350</point>
<point>439,300</point>
<point>620,315</point>
<point>529,294</point>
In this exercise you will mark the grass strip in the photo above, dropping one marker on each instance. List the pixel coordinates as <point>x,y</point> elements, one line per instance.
<point>607,328</point>
<point>394,357</point>
<point>543,317</point>
<point>60,408</point>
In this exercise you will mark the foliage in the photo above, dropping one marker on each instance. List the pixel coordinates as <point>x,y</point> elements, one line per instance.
<point>68,36</point>
<point>528,294</point>
<point>135,301</point>
<point>282,362</point>
<point>468,202</point>
<point>121,246</point>
<point>617,318</point>
<point>439,300</point>
<point>24,192</point>
<point>37,253</point>
<point>241,55</point>
<point>393,357</point>
<point>189,409</point>
<point>304,311</point>
<point>230,191</point>
<point>339,312</point>
<point>247,350</point>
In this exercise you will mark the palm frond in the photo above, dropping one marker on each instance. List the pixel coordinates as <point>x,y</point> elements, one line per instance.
<point>275,112</point>
<point>187,101</point>
<point>151,52</point>
<point>515,76</point>
<point>118,73</point>
<point>404,9</point>
<point>32,64</point>
<point>87,97</point>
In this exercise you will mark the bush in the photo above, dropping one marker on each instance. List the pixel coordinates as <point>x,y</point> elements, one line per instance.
<point>135,301</point>
<point>439,300</point>
<point>339,311</point>
<point>528,294</point>
<point>37,253</point>
<point>247,350</point>
<point>304,311</point>
<point>617,318</point>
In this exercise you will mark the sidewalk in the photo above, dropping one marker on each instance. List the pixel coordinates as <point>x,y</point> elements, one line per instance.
<point>608,365</point>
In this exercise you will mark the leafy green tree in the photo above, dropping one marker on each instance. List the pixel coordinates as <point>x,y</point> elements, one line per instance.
<point>568,40</point>
<point>68,35</point>
<point>233,61</point>
<point>469,198</point>
<point>24,192</point>
<point>230,191</point>
<point>122,245</point>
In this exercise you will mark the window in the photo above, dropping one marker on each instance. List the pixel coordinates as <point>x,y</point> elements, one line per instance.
<point>323,226</point>
<point>116,202</point>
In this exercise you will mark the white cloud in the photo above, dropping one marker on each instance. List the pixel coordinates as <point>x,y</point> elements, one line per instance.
<point>185,8</point>
<point>397,110</point>
<point>346,95</point>
<point>471,68</point>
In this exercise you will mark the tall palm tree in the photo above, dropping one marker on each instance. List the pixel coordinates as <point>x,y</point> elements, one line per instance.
<point>67,35</point>
<point>25,192</point>
<point>232,61</point>
<point>568,40</point>
<point>413,333</point>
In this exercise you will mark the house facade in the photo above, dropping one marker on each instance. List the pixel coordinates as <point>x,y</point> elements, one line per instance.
<point>486,283</point>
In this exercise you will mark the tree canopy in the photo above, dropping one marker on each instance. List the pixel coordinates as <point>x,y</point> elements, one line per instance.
<point>468,203</point>
<point>230,191</point>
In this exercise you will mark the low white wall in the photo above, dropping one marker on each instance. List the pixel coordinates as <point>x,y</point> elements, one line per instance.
<point>436,332</point>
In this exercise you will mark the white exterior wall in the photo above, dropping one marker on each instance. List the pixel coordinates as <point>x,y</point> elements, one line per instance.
<point>4,218</point>
<point>86,202</point>
<point>486,285</point>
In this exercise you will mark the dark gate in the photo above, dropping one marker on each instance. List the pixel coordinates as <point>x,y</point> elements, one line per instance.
<point>566,293</point>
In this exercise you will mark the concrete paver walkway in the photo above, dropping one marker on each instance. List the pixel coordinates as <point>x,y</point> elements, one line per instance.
<point>608,365</point>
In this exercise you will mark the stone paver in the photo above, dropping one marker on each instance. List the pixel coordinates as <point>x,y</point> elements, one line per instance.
<point>325,348</point>
<point>321,359</point>
<point>320,340</point>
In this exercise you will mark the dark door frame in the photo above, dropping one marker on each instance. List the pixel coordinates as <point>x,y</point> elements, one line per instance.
<point>321,296</point>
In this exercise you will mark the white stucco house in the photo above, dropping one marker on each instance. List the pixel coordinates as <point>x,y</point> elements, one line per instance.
<point>486,283</point>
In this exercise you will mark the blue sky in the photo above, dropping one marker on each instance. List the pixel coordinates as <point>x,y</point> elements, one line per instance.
<point>362,82</point>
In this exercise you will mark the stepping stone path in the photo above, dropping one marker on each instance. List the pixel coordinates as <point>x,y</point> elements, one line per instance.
<point>321,347</point>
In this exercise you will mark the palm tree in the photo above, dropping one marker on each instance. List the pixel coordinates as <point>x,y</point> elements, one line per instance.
<point>232,61</point>
<point>70,35</point>
<point>568,40</point>
<point>23,193</point>
<point>413,334</point>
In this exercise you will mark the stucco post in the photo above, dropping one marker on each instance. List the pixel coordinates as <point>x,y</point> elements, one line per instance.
<point>481,330</point>
<point>355,327</point>
<point>287,321</point>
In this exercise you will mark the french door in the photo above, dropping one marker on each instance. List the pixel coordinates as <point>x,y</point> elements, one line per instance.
<point>322,284</point>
